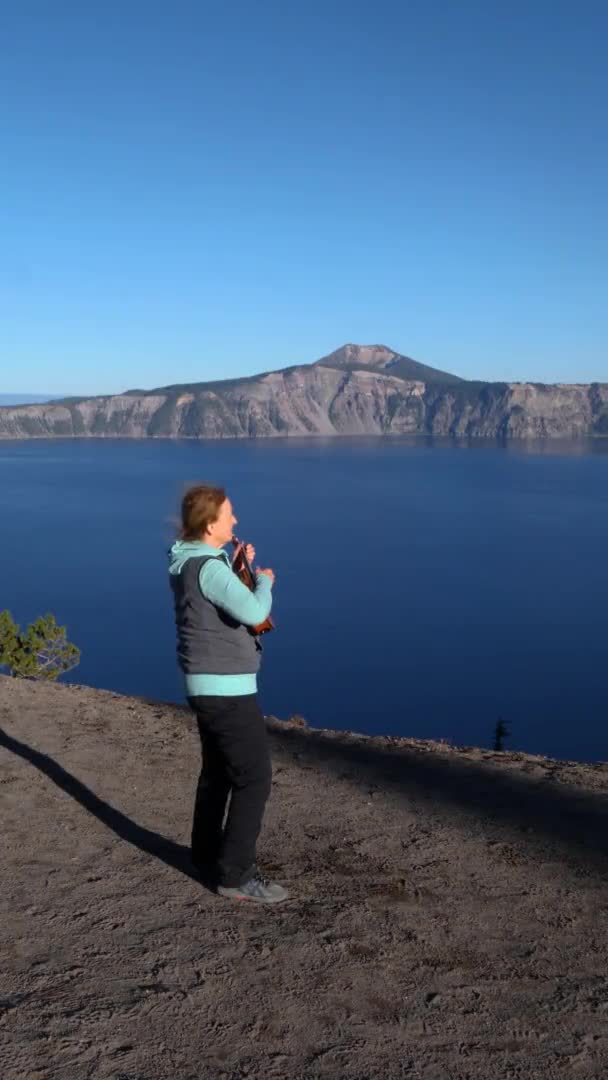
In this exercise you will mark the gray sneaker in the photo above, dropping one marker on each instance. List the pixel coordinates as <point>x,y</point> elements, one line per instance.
<point>257,889</point>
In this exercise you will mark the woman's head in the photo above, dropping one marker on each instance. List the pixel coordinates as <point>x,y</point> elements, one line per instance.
<point>207,515</point>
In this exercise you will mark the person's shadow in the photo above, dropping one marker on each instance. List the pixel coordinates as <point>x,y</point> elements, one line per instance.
<point>175,855</point>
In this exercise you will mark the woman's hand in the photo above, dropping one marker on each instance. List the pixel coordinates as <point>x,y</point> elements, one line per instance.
<point>250,553</point>
<point>267,573</point>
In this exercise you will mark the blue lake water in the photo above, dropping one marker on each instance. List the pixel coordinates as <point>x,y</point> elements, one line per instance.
<point>424,587</point>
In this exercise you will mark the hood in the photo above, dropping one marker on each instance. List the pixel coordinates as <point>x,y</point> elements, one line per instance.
<point>182,550</point>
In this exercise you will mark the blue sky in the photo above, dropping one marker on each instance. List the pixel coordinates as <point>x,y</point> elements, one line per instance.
<point>198,190</point>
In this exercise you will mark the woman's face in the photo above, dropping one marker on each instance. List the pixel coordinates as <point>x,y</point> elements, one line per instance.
<point>221,531</point>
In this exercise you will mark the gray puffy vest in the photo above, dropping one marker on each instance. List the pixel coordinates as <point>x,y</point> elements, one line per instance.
<point>209,641</point>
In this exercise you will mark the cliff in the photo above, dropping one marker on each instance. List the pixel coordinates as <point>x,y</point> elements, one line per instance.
<point>357,390</point>
<point>446,920</point>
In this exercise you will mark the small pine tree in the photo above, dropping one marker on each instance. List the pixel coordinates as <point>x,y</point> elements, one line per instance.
<point>42,652</point>
<point>501,732</point>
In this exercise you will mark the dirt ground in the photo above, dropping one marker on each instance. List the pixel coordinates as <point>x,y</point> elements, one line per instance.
<point>448,919</point>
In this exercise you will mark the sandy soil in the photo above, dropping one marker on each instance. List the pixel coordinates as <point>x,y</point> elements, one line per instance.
<point>448,919</point>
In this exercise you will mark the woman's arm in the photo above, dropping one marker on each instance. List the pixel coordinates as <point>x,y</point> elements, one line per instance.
<point>220,585</point>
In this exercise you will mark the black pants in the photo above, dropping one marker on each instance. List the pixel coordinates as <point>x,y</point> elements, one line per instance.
<point>236,776</point>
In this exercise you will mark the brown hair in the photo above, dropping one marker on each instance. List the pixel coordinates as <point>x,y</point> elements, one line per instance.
<point>200,507</point>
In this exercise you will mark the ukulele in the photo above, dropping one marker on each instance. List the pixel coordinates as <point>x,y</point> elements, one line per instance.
<point>241,567</point>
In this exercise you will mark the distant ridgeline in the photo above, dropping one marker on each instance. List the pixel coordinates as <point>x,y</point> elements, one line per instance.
<point>357,390</point>
<point>27,399</point>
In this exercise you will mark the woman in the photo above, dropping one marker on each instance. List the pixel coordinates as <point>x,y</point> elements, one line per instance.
<point>220,659</point>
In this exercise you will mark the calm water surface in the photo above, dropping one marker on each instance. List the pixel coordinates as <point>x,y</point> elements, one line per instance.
<point>424,587</point>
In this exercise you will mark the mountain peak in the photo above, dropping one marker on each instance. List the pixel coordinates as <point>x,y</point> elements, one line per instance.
<point>377,356</point>
<point>383,359</point>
